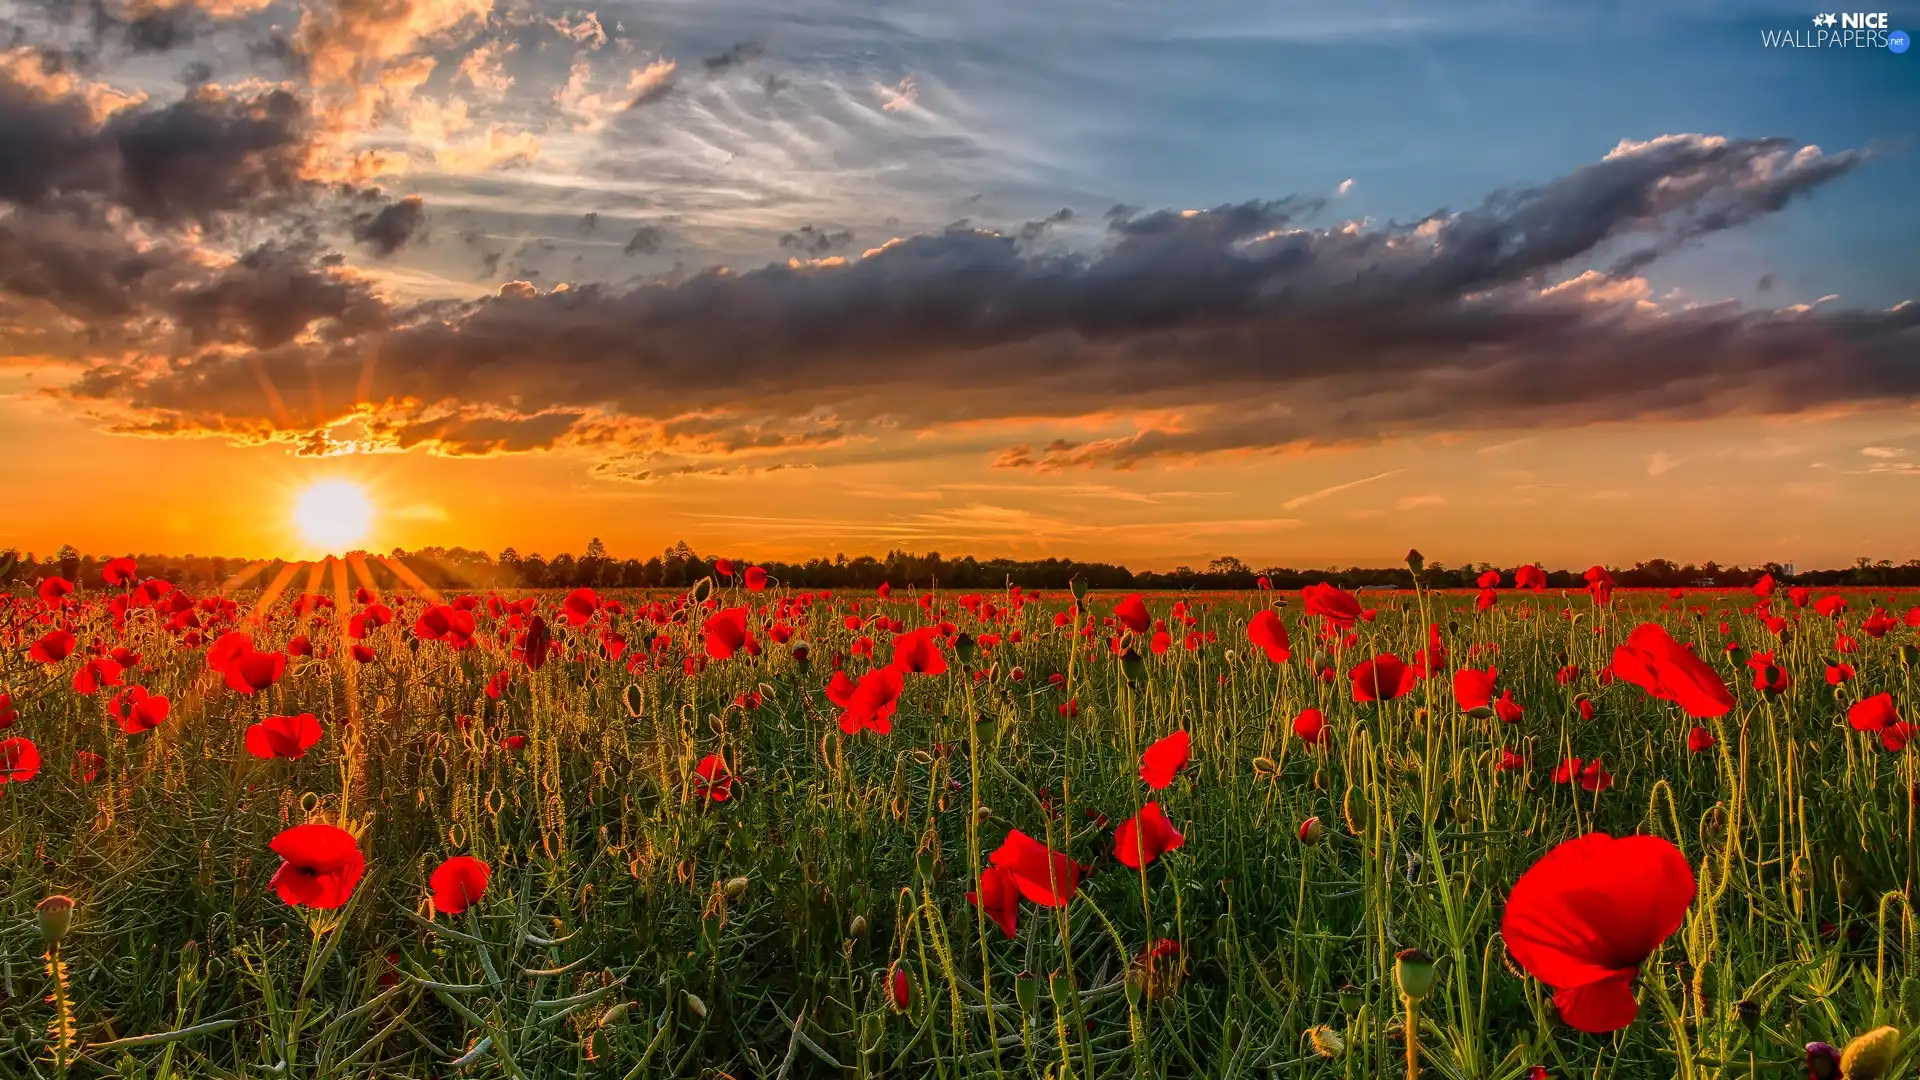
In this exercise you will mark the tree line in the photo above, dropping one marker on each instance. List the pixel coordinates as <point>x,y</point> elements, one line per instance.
<point>458,568</point>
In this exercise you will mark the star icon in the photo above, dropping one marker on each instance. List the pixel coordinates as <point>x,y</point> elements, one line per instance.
<point>1829,19</point>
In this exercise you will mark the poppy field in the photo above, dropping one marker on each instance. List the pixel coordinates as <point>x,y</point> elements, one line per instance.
<point>749,830</point>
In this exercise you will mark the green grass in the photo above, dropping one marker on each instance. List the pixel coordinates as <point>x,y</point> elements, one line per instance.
<point>608,944</point>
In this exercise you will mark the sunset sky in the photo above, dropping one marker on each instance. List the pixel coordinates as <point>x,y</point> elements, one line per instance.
<point>1303,283</point>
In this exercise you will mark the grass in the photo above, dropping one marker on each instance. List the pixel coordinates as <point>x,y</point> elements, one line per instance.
<point>635,928</point>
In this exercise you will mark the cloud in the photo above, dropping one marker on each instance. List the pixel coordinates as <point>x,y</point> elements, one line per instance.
<point>734,56</point>
<point>1419,502</point>
<point>1882,451</point>
<point>1660,462</point>
<point>899,96</point>
<point>1243,328</point>
<point>1345,187</point>
<point>814,242</point>
<point>1299,501</point>
<point>392,227</point>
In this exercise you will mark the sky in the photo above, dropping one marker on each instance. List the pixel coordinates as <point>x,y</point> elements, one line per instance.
<point>1305,284</point>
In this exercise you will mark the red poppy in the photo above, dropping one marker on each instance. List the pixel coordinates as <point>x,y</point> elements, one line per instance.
<point>1310,726</point>
<point>19,760</point>
<point>96,673</point>
<point>999,897</point>
<point>726,633</point>
<point>1768,677</point>
<point>1700,740</point>
<point>1132,613</point>
<point>579,606</point>
<point>1383,678</point>
<point>287,737</point>
<point>1145,837</point>
<point>300,645</point>
<point>723,567</point>
<point>256,671</point>
<point>513,743</point>
<point>53,590</point>
<point>1508,760</point>
<point>1586,916</point>
<point>444,622</point>
<point>1508,710</point>
<point>1873,714</point>
<point>756,578</point>
<point>458,883</point>
<point>322,865</point>
<point>712,779</point>
<point>1473,688</point>
<point>919,653</point>
<point>1838,673</point>
<point>137,710</point>
<point>1652,660</point>
<point>53,647</point>
<point>7,712</point>
<point>1267,632</point>
<point>535,644</point>
<point>1165,758</point>
<point>1042,875</point>
<point>1830,605</point>
<point>873,702</point>
<point>1896,736</point>
<point>1530,577</point>
<point>1764,587</point>
<point>86,766</point>
<point>1328,601</point>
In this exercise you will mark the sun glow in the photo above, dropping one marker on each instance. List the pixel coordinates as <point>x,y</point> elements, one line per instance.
<point>333,515</point>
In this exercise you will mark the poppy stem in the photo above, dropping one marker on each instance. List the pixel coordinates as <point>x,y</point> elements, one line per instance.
<point>1413,1036</point>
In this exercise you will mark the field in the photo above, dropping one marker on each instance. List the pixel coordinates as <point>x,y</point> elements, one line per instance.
<point>707,855</point>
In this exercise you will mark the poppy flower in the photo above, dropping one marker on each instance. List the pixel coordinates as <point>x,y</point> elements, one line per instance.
<point>287,737</point>
<point>1310,726</point>
<point>1700,740</point>
<point>1042,875</point>
<point>1145,837</point>
<point>756,578</point>
<point>1830,606</point>
<point>1269,634</point>
<point>1530,577</point>
<point>1838,673</point>
<point>444,622</point>
<point>873,702</point>
<point>1508,710</point>
<point>1383,678</point>
<point>1132,613</point>
<point>1768,677</point>
<point>535,644</point>
<point>999,897</point>
<point>1652,660</point>
<point>256,671</point>
<point>19,760</point>
<point>1764,587</point>
<point>579,606</point>
<point>1896,736</point>
<point>1587,915</point>
<point>726,633</point>
<point>1473,688</point>
<point>712,779</point>
<point>1873,714</point>
<point>1165,758</point>
<point>94,674</point>
<point>513,743</point>
<point>1508,760</point>
<point>458,884</point>
<point>1488,579</point>
<point>919,653</point>
<point>53,590</point>
<point>86,766</point>
<point>322,865</point>
<point>53,647</point>
<point>137,710</point>
<point>1328,601</point>
<point>8,714</point>
<point>119,571</point>
<point>840,689</point>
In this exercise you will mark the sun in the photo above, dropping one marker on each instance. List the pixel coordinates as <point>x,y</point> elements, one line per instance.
<point>333,515</point>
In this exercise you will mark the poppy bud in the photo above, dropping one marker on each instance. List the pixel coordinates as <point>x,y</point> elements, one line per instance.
<point>1909,655</point>
<point>695,1005</point>
<point>1132,666</point>
<point>1264,767</point>
<point>1026,990</point>
<point>633,699</point>
<point>800,653</point>
<point>858,927</point>
<point>56,918</point>
<point>736,888</point>
<point>1413,970</point>
<point>1018,674</point>
<point>1823,1062</point>
<point>900,988</point>
<point>1326,1041</point>
<point>1312,832</point>
<point>1079,587</point>
<point>1867,1057</point>
<point>617,1015</point>
<point>1355,812</point>
<point>963,647</point>
<point>1748,1010</point>
<point>1416,561</point>
<point>1480,712</point>
<point>984,814</point>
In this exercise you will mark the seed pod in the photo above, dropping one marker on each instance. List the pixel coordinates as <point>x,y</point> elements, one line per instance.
<point>736,887</point>
<point>1413,970</point>
<point>858,927</point>
<point>1026,990</point>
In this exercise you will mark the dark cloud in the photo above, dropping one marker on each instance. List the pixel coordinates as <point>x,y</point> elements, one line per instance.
<point>734,56</point>
<point>647,240</point>
<point>1034,230</point>
<point>588,222</point>
<point>392,227</point>
<point>814,242</point>
<point>1253,325</point>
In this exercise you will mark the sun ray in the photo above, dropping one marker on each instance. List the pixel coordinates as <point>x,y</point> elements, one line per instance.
<point>243,575</point>
<point>273,590</point>
<point>405,573</point>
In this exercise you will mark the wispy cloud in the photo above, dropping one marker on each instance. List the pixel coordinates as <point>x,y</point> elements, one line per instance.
<point>1299,501</point>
